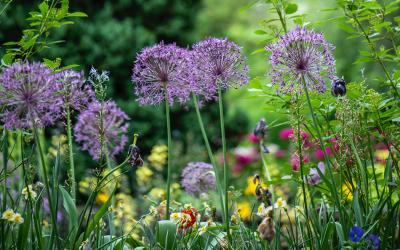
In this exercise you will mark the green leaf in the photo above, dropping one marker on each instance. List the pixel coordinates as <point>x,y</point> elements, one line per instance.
<point>53,64</point>
<point>43,7</point>
<point>339,231</point>
<point>7,59</point>
<point>260,32</point>
<point>165,234</point>
<point>69,206</point>
<point>290,8</point>
<point>23,232</point>
<point>77,14</point>
<point>357,210</point>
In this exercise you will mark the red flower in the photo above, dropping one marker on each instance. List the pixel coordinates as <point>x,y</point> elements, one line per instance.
<point>188,218</point>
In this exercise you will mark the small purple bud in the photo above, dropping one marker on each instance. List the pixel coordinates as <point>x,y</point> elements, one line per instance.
<point>338,88</point>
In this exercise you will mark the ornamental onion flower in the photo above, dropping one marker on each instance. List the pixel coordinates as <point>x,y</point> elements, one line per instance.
<point>198,177</point>
<point>161,72</point>
<point>301,53</point>
<point>373,241</point>
<point>101,129</point>
<point>217,62</point>
<point>28,95</point>
<point>75,92</point>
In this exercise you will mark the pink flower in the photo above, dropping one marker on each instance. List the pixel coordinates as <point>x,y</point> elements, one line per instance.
<point>286,133</point>
<point>295,162</point>
<point>245,156</point>
<point>319,154</point>
<point>280,153</point>
<point>253,138</point>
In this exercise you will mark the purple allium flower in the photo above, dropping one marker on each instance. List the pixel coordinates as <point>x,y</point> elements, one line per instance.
<point>74,90</point>
<point>373,241</point>
<point>198,177</point>
<point>102,126</point>
<point>28,94</point>
<point>298,53</point>
<point>314,178</point>
<point>160,69</point>
<point>217,61</point>
<point>356,234</point>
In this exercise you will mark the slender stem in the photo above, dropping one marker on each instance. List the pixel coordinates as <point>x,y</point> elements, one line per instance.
<point>329,167</point>
<point>221,116</point>
<point>299,141</point>
<point>169,152</point>
<point>5,162</point>
<point>46,182</point>
<point>71,155</point>
<point>210,154</point>
<point>267,174</point>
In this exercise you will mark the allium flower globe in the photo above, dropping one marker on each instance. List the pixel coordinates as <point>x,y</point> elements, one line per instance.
<point>197,178</point>
<point>74,90</point>
<point>217,61</point>
<point>29,96</point>
<point>301,53</point>
<point>102,126</point>
<point>159,70</point>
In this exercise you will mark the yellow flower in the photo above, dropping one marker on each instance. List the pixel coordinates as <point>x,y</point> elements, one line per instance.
<point>29,192</point>
<point>175,186</point>
<point>143,175</point>
<point>251,187</point>
<point>102,197</point>
<point>8,215</point>
<point>280,203</point>
<point>382,154</point>
<point>158,193</point>
<point>18,218</point>
<point>347,192</point>
<point>244,210</point>
<point>158,156</point>
<point>234,219</point>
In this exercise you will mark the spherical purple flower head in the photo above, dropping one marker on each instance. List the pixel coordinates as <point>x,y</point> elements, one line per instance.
<point>102,126</point>
<point>217,61</point>
<point>356,234</point>
<point>28,93</point>
<point>160,68</point>
<point>74,90</point>
<point>373,241</point>
<point>198,177</point>
<point>298,53</point>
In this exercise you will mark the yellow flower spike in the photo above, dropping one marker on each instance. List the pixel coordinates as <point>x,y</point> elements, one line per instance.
<point>102,197</point>
<point>347,192</point>
<point>244,210</point>
<point>8,215</point>
<point>18,218</point>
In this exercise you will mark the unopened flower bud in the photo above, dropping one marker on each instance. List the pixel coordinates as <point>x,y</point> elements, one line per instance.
<point>338,88</point>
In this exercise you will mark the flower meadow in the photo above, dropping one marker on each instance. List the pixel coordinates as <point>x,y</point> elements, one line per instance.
<point>319,170</point>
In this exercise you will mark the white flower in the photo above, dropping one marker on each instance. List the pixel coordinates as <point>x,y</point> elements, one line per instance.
<point>18,218</point>
<point>8,215</point>
<point>280,203</point>
<point>263,211</point>
<point>29,192</point>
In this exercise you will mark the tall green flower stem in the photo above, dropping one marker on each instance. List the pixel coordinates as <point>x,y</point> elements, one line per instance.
<point>46,183</point>
<point>221,117</point>
<point>71,154</point>
<point>329,167</point>
<point>5,162</point>
<point>210,154</point>
<point>267,174</point>
<point>169,141</point>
